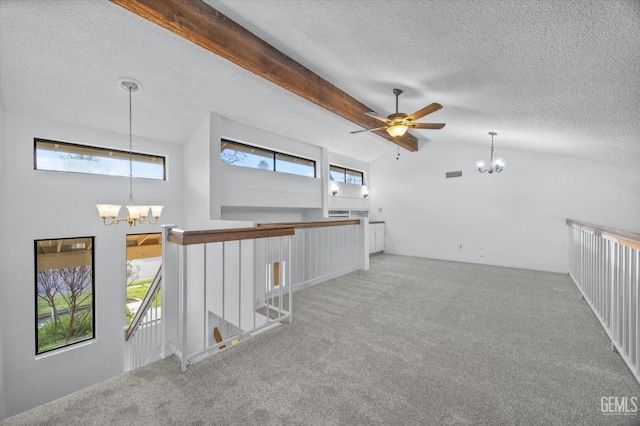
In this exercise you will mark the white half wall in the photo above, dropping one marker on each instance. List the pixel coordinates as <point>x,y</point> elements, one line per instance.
<point>514,219</point>
<point>49,205</point>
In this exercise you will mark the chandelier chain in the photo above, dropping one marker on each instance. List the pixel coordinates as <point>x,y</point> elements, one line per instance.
<point>130,150</point>
<point>491,165</point>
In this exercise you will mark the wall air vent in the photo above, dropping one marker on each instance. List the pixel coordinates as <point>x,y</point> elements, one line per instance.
<point>454,174</point>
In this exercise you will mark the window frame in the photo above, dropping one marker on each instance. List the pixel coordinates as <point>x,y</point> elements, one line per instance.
<point>97,150</point>
<point>345,171</point>
<point>38,351</point>
<point>274,158</point>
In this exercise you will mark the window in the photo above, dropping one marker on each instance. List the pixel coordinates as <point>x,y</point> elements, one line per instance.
<point>341,174</point>
<point>144,258</point>
<point>295,165</point>
<point>64,292</point>
<point>68,157</point>
<point>259,158</point>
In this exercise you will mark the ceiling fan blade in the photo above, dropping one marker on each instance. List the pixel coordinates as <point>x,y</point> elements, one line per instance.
<point>377,116</point>
<point>424,111</point>
<point>433,126</point>
<point>369,130</point>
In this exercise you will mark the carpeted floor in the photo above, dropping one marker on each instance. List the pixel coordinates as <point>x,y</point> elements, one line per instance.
<point>410,342</point>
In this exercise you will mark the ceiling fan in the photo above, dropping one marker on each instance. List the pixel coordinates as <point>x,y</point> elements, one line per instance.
<point>397,124</point>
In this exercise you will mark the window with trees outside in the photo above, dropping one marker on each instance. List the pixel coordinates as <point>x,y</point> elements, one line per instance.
<point>64,292</point>
<point>342,174</point>
<point>68,157</point>
<point>144,259</point>
<point>259,158</point>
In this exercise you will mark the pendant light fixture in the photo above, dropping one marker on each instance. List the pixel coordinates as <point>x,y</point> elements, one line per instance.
<point>496,165</point>
<point>137,214</point>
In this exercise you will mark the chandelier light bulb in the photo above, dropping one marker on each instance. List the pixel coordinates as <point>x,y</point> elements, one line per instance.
<point>156,211</point>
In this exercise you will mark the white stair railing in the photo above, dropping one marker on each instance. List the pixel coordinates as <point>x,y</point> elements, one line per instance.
<point>223,286</point>
<point>143,337</point>
<point>605,265</point>
<point>323,250</point>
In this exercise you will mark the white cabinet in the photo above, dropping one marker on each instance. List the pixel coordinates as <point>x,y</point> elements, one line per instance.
<point>376,237</point>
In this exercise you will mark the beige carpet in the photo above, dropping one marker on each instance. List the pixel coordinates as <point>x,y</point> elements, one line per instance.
<point>410,342</point>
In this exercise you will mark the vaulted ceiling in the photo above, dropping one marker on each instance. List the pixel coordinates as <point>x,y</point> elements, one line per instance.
<point>549,76</point>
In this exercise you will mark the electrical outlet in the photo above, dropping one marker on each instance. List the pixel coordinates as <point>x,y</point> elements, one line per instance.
<point>380,210</point>
<point>460,246</point>
<point>481,252</point>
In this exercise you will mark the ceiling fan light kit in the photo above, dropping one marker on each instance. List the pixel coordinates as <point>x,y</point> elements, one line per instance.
<point>398,123</point>
<point>397,130</point>
<point>496,165</point>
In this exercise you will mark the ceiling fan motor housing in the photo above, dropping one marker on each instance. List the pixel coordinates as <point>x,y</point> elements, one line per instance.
<point>397,117</point>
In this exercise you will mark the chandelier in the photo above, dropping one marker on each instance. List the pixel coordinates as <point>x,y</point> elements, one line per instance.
<point>496,165</point>
<point>137,214</point>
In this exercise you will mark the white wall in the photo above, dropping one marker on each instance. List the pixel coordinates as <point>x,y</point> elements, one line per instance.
<point>202,210</point>
<point>240,193</point>
<point>2,319</point>
<point>200,179</point>
<point>246,187</point>
<point>49,205</point>
<point>215,191</point>
<point>250,193</point>
<point>516,218</point>
<point>41,204</point>
<point>349,196</point>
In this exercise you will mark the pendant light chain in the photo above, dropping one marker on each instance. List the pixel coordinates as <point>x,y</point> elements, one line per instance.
<point>130,150</point>
<point>492,152</point>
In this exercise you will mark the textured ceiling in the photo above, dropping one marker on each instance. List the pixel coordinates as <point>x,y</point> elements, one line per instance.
<point>550,76</point>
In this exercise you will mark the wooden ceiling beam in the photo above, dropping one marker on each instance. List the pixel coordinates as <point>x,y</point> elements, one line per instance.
<point>203,25</point>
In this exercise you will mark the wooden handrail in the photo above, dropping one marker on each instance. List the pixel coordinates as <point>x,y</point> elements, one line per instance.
<point>624,238</point>
<point>316,224</point>
<point>145,305</point>
<point>185,238</point>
